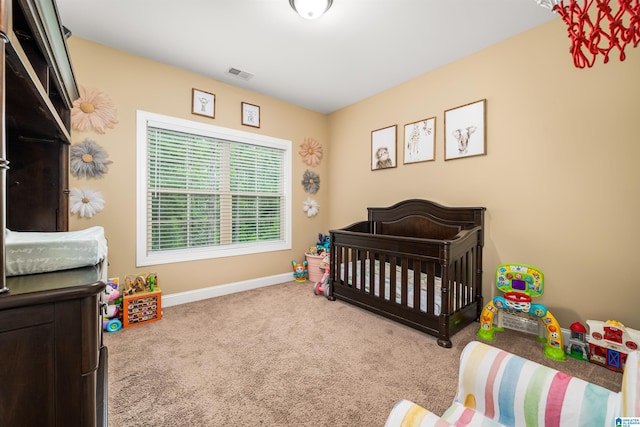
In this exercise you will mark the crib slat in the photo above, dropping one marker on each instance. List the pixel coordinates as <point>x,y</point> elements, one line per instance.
<point>457,284</point>
<point>360,268</point>
<point>377,263</point>
<point>417,289</point>
<point>354,267</point>
<point>392,278</point>
<point>366,279</point>
<point>445,302</point>
<point>403,281</point>
<point>371,269</point>
<point>431,278</point>
<point>468,278</point>
<point>473,281</point>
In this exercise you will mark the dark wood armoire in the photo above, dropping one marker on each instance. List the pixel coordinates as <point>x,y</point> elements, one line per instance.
<point>52,361</point>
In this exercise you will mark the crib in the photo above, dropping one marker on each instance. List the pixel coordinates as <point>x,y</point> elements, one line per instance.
<point>416,262</point>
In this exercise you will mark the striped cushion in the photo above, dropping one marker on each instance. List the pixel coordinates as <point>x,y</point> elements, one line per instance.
<point>510,390</point>
<point>631,386</point>
<point>459,415</point>
<point>497,388</point>
<point>408,414</point>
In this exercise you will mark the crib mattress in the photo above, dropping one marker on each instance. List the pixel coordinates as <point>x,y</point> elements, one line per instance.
<point>387,281</point>
<point>40,252</point>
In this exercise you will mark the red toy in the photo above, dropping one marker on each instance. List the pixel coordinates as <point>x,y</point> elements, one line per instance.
<point>577,346</point>
<point>323,285</point>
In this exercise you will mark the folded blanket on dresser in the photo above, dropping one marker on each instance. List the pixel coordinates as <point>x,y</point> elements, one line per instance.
<point>40,252</point>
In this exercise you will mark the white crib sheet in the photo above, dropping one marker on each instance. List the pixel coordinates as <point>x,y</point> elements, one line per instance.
<point>40,252</point>
<point>398,271</point>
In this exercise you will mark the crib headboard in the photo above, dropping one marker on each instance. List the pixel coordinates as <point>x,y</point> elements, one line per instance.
<point>424,218</point>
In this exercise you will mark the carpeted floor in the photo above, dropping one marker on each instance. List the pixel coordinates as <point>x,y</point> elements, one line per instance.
<point>280,356</point>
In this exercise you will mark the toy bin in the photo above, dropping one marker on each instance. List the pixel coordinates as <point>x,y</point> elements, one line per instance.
<point>313,267</point>
<point>141,308</point>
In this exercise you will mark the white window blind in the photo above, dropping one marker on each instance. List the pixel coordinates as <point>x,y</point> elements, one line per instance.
<point>211,192</point>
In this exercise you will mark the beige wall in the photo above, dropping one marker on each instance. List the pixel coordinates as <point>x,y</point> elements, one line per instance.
<point>560,180</point>
<point>135,83</point>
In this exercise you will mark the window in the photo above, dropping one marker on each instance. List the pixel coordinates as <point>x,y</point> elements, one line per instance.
<point>206,192</point>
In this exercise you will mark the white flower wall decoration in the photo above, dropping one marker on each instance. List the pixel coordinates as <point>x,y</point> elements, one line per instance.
<point>86,202</point>
<point>311,207</point>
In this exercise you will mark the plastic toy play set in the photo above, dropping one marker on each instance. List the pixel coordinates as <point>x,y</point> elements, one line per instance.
<point>111,302</point>
<point>520,284</point>
<point>142,301</point>
<point>604,343</point>
<point>610,343</point>
<point>139,302</point>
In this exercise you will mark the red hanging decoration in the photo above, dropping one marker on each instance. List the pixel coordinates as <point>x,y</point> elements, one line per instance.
<point>588,30</point>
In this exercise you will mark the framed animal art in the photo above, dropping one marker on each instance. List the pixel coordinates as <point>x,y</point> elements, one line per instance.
<point>465,131</point>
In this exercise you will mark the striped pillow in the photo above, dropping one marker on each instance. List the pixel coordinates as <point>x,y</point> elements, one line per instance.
<point>631,386</point>
<point>511,390</point>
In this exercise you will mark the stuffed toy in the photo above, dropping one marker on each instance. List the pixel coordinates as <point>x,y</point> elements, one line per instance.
<point>324,242</point>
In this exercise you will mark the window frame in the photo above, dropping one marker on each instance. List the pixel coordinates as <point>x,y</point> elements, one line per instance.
<point>144,257</point>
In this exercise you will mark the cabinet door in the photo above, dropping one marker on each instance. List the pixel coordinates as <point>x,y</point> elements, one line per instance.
<point>77,354</point>
<point>27,372</point>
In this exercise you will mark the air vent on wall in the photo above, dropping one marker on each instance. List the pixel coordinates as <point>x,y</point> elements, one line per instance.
<point>244,75</point>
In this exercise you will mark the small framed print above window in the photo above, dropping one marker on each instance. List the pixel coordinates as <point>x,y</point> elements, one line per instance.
<point>203,103</point>
<point>250,115</point>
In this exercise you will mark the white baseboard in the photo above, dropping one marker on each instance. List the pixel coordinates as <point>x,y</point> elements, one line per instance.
<point>220,290</point>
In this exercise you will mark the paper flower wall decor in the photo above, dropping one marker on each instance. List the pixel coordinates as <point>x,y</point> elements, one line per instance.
<point>88,160</point>
<point>311,207</point>
<point>93,110</point>
<point>311,182</point>
<point>311,152</point>
<point>86,202</point>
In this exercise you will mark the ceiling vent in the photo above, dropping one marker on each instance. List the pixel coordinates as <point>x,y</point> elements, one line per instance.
<point>244,75</point>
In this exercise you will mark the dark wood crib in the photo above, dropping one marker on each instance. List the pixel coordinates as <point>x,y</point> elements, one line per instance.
<point>380,264</point>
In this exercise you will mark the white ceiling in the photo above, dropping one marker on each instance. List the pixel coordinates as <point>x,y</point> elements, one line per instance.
<point>359,48</point>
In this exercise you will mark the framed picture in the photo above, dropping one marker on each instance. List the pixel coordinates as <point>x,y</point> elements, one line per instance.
<point>383,148</point>
<point>250,115</point>
<point>419,141</point>
<point>203,103</point>
<point>465,131</point>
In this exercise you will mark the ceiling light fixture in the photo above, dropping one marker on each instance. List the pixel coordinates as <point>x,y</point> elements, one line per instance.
<point>310,9</point>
